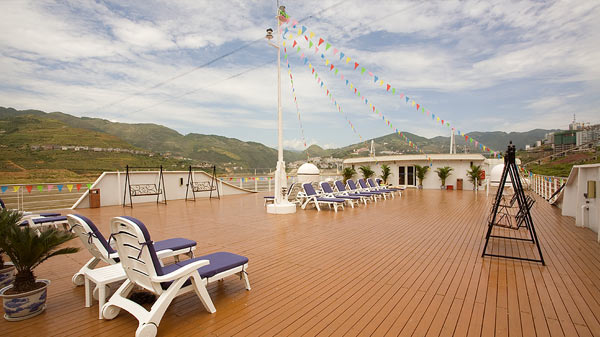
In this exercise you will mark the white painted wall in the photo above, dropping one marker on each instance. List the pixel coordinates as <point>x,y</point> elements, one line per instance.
<point>431,181</point>
<point>573,199</point>
<point>112,185</point>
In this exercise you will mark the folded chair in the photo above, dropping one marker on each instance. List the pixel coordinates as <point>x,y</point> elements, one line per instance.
<point>379,182</point>
<point>341,188</point>
<point>329,193</point>
<point>271,199</point>
<point>316,199</point>
<point>101,250</point>
<point>352,187</point>
<point>370,183</point>
<point>140,261</point>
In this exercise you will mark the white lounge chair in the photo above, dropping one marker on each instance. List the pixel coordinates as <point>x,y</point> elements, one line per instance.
<point>140,261</point>
<point>351,200</point>
<point>101,250</point>
<point>317,199</point>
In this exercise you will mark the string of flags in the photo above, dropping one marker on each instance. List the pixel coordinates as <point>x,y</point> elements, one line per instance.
<point>329,94</point>
<point>294,94</point>
<point>343,58</point>
<point>358,94</point>
<point>247,179</point>
<point>41,188</point>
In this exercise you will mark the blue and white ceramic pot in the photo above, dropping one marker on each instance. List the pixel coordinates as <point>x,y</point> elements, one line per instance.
<point>7,274</point>
<point>18,307</point>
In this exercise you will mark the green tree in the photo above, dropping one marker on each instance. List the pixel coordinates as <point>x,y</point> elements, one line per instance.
<point>366,171</point>
<point>385,173</point>
<point>474,174</point>
<point>443,173</point>
<point>348,173</point>
<point>421,172</point>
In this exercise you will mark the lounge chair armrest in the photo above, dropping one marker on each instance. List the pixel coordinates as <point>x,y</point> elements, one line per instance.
<point>161,254</point>
<point>183,271</point>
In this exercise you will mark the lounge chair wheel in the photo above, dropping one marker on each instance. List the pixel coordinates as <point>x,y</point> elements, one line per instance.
<point>110,312</point>
<point>78,279</point>
<point>146,330</point>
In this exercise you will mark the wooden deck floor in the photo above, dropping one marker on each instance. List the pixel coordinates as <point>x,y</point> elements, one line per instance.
<point>408,267</point>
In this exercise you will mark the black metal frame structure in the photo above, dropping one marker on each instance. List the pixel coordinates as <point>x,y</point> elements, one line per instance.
<point>144,192</point>
<point>524,215</point>
<point>213,183</point>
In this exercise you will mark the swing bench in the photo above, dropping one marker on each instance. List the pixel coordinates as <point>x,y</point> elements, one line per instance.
<point>202,186</point>
<point>144,190</point>
<point>500,215</point>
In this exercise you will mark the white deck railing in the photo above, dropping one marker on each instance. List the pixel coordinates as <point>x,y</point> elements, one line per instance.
<point>42,196</point>
<point>546,186</point>
<point>265,183</point>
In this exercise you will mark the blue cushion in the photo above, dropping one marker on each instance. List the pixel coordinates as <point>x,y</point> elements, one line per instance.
<point>97,233</point>
<point>219,262</point>
<point>331,200</point>
<point>174,244</point>
<point>49,214</point>
<point>38,221</point>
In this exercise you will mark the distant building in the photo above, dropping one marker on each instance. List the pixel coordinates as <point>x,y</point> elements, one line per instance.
<point>564,140</point>
<point>589,134</point>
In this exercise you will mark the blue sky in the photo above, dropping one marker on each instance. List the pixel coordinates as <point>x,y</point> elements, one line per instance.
<point>508,66</point>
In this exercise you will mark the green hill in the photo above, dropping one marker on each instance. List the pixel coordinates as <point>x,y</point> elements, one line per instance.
<point>44,128</point>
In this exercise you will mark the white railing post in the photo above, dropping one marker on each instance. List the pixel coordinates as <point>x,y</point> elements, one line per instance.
<point>269,184</point>
<point>255,185</point>
<point>241,184</point>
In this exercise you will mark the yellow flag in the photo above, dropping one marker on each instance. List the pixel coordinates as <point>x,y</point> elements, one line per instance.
<point>312,35</point>
<point>326,61</point>
<point>69,187</point>
<point>413,103</point>
<point>381,83</point>
<point>347,59</point>
<point>299,31</point>
<point>283,42</point>
<point>16,188</point>
<point>351,85</point>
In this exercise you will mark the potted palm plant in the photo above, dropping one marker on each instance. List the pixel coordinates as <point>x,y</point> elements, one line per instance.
<point>443,173</point>
<point>421,172</point>
<point>366,171</point>
<point>7,271</point>
<point>385,173</point>
<point>348,173</point>
<point>474,175</point>
<point>27,248</point>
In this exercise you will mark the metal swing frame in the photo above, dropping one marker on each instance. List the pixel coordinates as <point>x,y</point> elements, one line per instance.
<point>510,168</point>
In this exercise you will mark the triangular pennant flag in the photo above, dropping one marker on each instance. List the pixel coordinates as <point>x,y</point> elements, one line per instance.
<point>60,187</point>
<point>331,68</point>
<point>406,99</point>
<point>347,60</point>
<point>320,41</point>
<point>29,188</point>
<point>40,188</point>
<point>336,70</point>
<point>303,29</point>
<point>341,56</point>
<point>388,87</point>
<point>4,188</point>
<point>16,188</point>
<point>50,187</point>
<point>417,106</point>
<point>362,70</point>
<point>78,186</point>
<point>89,186</point>
<point>70,187</point>
<point>327,46</point>
<point>310,44</point>
<point>312,35</point>
<point>295,43</point>
<point>355,65</point>
<point>376,78</point>
<point>323,57</point>
<point>326,61</point>
<point>335,51</point>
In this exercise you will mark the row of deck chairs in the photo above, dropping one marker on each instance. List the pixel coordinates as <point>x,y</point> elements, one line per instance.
<point>143,265</point>
<point>344,194</point>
